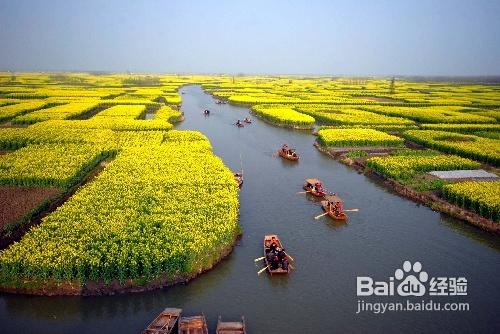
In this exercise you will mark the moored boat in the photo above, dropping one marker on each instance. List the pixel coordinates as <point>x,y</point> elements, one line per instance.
<point>165,322</point>
<point>236,327</point>
<point>334,207</point>
<point>193,325</point>
<point>239,179</point>
<point>314,187</point>
<point>283,267</point>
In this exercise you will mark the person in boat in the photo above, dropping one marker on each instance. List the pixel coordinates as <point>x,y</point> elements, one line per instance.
<point>273,247</point>
<point>337,208</point>
<point>282,258</point>
<point>269,256</point>
<point>274,261</point>
<point>238,123</point>
<point>284,148</point>
<point>247,120</point>
<point>318,187</point>
<point>281,254</point>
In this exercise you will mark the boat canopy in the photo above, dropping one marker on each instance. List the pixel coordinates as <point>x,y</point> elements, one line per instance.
<point>313,181</point>
<point>333,198</point>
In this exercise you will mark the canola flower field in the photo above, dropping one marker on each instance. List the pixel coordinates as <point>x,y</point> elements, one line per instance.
<point>481,197</point>
<point>166,205</point>
<point>357,137</point>
<point>136,220</point>
<point>59,165</point>
<point>160,211</point>
<point>406,166</point>
<point>284,116</point>
<point>469,146</point>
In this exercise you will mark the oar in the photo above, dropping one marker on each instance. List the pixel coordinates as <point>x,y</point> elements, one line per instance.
<point>259,258</point>
<point>291,258</point>
<point>241,164</point>
<point>303,192</point>
<point>291,267</point>
<point>260,271</point>
<point>351,210</point>
<point>321,215</point>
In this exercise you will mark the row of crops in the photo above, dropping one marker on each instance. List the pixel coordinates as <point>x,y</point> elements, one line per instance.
<point>55,165</point>
<point>12,110</point>
<point>284,116</point>
<point>481,197</point>
<point>351,116</point>
<point>123,112</point>
<point>168,114</point>
<point>357,137</point>
<point>469,146</point>
<point>407,166</point>
<point>441,114</point>
<point>64,111</point>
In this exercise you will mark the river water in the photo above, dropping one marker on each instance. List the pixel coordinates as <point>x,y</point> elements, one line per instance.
<point>319,296</point>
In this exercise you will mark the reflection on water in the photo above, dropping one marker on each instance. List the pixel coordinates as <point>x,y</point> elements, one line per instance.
<point>319,296</point>
<point>469,231</point>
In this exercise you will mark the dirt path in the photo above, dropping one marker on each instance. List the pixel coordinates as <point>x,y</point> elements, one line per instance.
<point>17,202</point>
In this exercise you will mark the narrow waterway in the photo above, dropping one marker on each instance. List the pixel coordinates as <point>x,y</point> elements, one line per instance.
<point>319,296</point>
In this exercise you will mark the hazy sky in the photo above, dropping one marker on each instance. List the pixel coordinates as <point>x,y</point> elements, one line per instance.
<point>428,37</point>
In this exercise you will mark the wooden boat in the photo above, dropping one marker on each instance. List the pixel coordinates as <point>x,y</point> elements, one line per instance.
<point>268,239</point>
<point>237,327</point>
<point>329,204</point>
<point>239,179</point>
<point>193,325</point>
<point>311,188</point>
<point>288,154</point>
<point>165,322</point>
